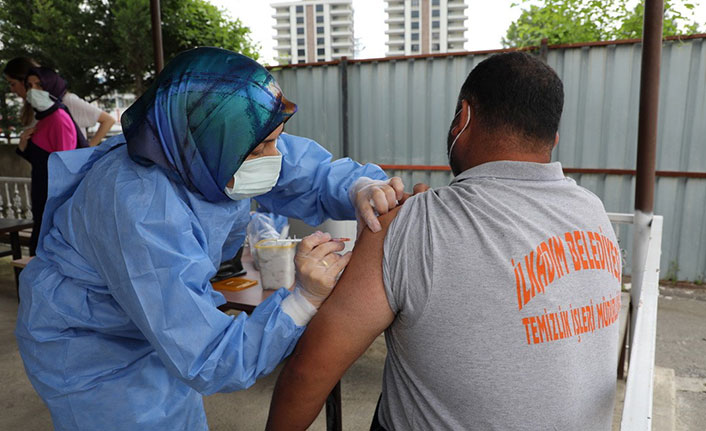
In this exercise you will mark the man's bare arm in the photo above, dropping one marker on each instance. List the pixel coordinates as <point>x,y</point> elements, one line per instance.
<point>347,323</point>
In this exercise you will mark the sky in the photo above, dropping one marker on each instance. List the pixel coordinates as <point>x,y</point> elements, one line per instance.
<point>487,22</point>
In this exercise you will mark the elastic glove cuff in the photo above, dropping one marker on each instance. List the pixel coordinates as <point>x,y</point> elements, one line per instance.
<point>298,307</point>
<point>359,185</point>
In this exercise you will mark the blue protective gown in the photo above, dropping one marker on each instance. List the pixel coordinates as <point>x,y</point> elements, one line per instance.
<point>118,326</point>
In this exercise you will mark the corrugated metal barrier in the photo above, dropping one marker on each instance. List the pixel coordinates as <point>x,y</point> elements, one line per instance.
<point>399,110</point>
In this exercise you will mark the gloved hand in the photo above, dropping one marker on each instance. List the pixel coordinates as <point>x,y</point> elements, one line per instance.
<point>318,266</point>
<point>370,196</point>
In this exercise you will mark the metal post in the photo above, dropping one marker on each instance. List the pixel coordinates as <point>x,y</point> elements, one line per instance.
<point>646,146</point>
<point>157,35</point>
<point>544,49</point>
<point>343,65</point>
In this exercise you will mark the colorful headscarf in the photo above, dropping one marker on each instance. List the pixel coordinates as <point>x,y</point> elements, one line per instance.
<point>208,109</point>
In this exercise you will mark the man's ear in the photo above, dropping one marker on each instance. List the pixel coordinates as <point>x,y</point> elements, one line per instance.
<point>556,140</point>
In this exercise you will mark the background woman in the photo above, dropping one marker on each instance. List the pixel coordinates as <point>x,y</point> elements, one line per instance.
<point>53,131</point>
<point>83,113</point>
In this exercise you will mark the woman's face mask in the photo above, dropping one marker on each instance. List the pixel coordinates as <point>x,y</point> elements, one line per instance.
<point>39,99</point>
<point>255,177</point>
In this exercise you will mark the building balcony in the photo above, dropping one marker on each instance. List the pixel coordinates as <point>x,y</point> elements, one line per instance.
<point>347,21</point>
<point>341,11</point>
<point>281,25</point>
<point>399,30</point>
<point>394,53</point>
<point>456,27</point>
<point>342,44</point>
<point>283,13</point>
<point>456,16</point>
<point>284,36</point>
<point>284,48</point>
<point>395,20</point>
<point>342,33</point>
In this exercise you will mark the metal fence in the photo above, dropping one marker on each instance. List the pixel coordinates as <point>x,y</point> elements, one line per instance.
<point>396,112</point>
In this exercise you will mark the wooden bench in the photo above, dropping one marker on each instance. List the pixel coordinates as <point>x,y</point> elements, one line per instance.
<point>22,262</point>
<point>19,264</point>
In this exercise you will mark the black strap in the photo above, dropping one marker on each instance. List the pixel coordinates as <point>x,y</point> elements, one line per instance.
<point>375,426</point>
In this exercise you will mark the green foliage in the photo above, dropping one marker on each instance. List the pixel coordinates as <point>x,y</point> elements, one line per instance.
<point>672,272</point>
<point>10,122</point>
<point>101,46</point>
<point>573,21</point>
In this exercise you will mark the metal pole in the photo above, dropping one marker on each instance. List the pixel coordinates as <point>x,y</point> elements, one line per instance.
<point>646,146</point>
<point>343,65</point>
<point>157,35</point>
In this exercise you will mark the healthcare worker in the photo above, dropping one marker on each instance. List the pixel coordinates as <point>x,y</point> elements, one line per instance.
<point>118,326</point>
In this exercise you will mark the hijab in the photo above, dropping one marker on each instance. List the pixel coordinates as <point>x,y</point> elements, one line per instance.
<point>206,111</point>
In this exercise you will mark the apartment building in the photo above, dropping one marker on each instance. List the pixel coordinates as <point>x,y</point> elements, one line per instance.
<point>425,26</point>
<point>313,30</point>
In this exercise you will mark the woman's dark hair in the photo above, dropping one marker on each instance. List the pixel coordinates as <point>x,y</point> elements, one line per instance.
<point>17,68</point>
<point>518,93</point>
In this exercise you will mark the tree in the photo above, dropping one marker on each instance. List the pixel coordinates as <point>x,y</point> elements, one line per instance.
<point>101,46</point>
<point>571,21</point>
<point>9,113</point>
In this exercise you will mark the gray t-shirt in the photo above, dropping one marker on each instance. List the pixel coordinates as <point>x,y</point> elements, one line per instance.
<point>506,289</point>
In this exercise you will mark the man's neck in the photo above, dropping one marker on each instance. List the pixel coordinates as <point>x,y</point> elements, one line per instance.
<point>495,148</point>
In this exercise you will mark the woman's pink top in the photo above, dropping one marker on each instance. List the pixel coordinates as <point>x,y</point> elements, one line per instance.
<point>55,132</point>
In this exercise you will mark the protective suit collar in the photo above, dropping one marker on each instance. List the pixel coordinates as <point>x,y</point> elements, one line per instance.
<point>208,109</point>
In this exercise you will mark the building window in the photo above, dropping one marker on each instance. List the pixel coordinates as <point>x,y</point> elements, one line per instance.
<point>415,14</point>
<point>320,30</point>
<point>320,19</point>
<point>321,51</point>
<point>435,2</point>
<point>321,59</point>
<point>319,8</point>
<point>435,24</point>
<point>415,47</point>
<point>300,20</point>
<point>301,61</point>
<point>300,9</point>
<point>435,13</point>
<point>435,47</point>
<point>415,25</point>
<point>300,41</point>
<point>415,36</point>
<point>319,40</point>
<point>415,2</point>
<point>300,30</point>
<point>301,53</point>
<point>435,35</point>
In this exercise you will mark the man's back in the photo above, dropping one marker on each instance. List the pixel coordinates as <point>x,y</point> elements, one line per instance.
<point>506,289</point>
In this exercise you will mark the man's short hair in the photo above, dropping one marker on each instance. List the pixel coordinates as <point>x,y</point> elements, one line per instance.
<point>517,93</point>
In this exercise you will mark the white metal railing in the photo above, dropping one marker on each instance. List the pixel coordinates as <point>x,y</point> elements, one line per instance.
<point>15,198</point>
<point>637,407</point>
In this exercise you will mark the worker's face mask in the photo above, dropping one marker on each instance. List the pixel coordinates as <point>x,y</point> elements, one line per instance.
<point>39,99</point>
<point>255,177</point>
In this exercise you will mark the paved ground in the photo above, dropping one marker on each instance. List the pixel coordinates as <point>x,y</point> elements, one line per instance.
<point>681,345</point>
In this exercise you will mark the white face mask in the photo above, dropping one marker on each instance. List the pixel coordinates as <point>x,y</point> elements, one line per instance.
<point>40,100</point>
<point>255,177</point>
